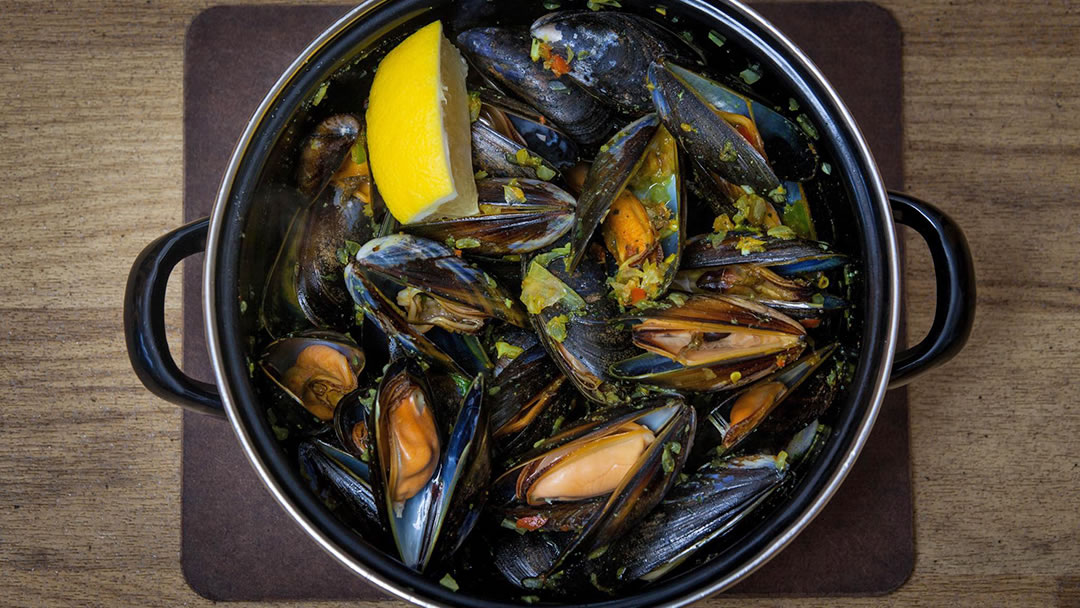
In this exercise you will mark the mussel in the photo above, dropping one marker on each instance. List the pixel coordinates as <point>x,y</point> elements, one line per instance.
<point>516,216</point>
<point>710,342</point>
<point>613,469</point>
<point>314,369</point>
<point>430,475</point>
<point>343,484</point>
<point>503,55</point>
<point>708,135</point>
<point>735,417</point>
<point>432,285</point>
<point>784,256</point>
<point>608,53</point>
<point>571,314</point>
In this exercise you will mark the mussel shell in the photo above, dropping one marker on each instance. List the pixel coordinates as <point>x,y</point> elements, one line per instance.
<point>512,336</point>
<point>341,483</point>
<point>389,320</point>
<point>785,256</point>
<point>323,151</point>
<point>531,399</point>
<point>612,52</point>
<point>320,262</point>
<point>354,409</point>
<point>616,163</point>
<point>673,423</point>
<point>524,124</point>
<point>428,527</point>
<point>506,228</point>
<point>705,506</point>
<point>496,154</point>
<point>592,342</point>
<point>704,135</point>
<point>787,380</point>
<point>723,375</point>
<point>410,261</point>
<point>281,355</point>
<point>503,55</point>
<point>790,151</point>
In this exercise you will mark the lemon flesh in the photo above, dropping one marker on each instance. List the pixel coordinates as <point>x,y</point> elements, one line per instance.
<point>418,129</point>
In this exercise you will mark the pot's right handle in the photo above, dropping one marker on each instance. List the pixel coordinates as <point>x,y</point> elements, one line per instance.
<point>955,288</point>
<point>144,320</point>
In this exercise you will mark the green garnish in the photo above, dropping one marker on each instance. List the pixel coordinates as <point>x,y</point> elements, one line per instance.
<point>449,582</point>
<point>716,38</point>
<point>505,349</point>
<point>826,168</point>
<point>320,94</point>
<point>751,74</point>
<point>807,126</point>
<point>556,327</point>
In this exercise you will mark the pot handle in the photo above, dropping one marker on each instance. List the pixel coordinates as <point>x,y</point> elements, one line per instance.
<point>955,288</point>
<point>144,320</point>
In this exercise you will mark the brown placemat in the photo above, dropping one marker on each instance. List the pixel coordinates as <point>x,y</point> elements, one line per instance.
<point>239,545</point>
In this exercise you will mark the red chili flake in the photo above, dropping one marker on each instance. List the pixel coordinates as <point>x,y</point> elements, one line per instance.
<point>810,323</point>
<point>637,294</point>
<point>532,522</point>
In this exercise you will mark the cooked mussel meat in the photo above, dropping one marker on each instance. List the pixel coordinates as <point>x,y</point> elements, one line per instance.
<point>430,477</point>
<point>711,342</point>
<point>315,369</point>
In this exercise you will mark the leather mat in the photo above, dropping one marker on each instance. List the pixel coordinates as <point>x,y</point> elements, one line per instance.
<point>239,545</point>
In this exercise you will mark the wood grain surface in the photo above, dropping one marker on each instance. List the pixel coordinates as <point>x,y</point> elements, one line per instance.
<point>90,157</point>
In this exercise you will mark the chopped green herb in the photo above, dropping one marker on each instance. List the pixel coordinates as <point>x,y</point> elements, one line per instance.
<point>449,582</point>
<point>320,94</point>
<point>534,52</point>
<point>552,6</point>
<point>751,74</point>
<point>807,126</point>
<point>544,173</point>
<point>826,168</point>
<point>513,194</point>
<point>727,154</point>
<point>598,552</point>
<point>505,349</point>
<point>662,10</point>
<point>792,104</point>
<point>687,36</point>
<point>781,232</point>
<point>481,174</point>
<point>532,599</point>
<point>474,105</point>
<point>495,390</point>
<point>556,327</point>
<point>667,460</point>
<point>595,5</point>
<point>716,38</point>
<point>359,152</point>
<point>243,306</point>
<point>468,243</point>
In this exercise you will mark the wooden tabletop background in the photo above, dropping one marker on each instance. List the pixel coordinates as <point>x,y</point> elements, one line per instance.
<point>90,172</point>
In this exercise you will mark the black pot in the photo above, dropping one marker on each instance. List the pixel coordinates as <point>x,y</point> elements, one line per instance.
<point>256,201</point>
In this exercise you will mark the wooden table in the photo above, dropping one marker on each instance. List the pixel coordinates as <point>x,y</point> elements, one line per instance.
<point>90,150</point>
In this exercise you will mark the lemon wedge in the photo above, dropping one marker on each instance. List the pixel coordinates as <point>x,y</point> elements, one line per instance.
<point>418,129</point>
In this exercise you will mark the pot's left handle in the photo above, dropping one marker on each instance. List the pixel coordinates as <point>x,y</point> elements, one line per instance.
<point>144,321</point>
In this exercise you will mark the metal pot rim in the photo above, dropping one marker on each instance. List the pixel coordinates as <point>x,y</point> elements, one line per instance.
<point>874,184</point>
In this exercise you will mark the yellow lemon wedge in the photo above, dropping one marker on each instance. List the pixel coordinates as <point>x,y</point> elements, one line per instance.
<point>418,129</point>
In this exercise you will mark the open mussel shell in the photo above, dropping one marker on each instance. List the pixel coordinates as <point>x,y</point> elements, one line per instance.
<point>350,422</point>
<point>737,416</point>
<point>341,482</point>
<point>524,125</point>
<point>609,53</point>
<point>429,478</point>
<point>710,343</point>
<point>645,228</point>
<point>705,135</point>
<point>503,55</point>
<point>528,402</point>
<point>783,256</point>
<point>456,352</point>
<point>709,503</point>
<point>516,216</point>
<point>324,150</point>
<point>612,169</point>
<point>571,314</point>
<point>640,451</point>
<point>790,151</point>
<point>499,156</point>
<point>314,370</point>
<point>462,291</point>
